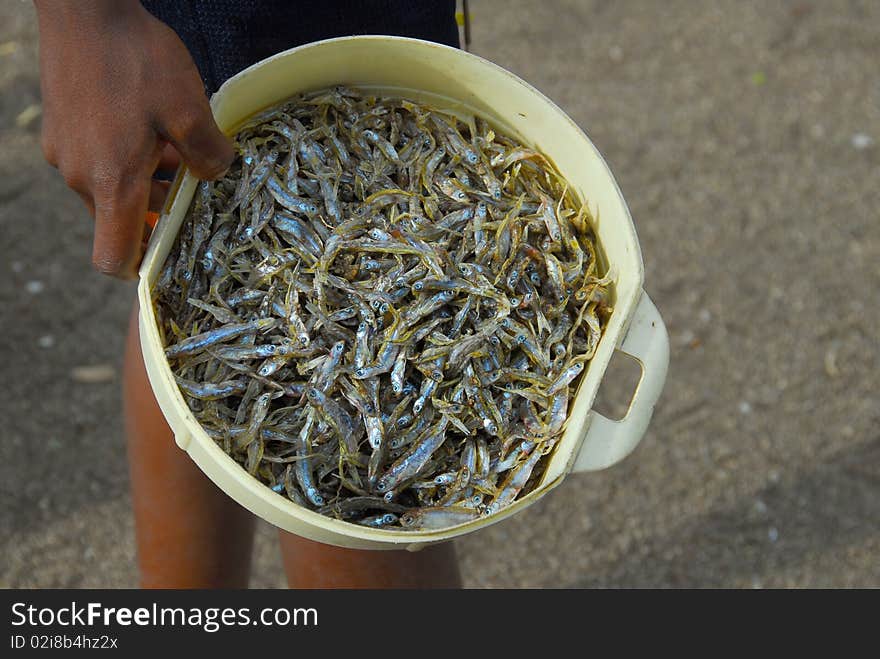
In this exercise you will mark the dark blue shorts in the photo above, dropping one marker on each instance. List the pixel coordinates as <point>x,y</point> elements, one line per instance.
<point>226,36</point>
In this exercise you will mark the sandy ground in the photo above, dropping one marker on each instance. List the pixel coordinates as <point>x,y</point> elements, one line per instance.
<point>746,140</point>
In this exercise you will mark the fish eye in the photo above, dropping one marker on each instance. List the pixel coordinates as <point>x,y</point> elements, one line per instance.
<point>521,339</point>
<point>418,286</point>
<point>360,372</point>
<point>384,307</point>
<point>389,497</point>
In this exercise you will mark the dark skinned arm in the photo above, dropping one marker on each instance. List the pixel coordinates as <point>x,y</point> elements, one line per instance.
<point>121,98</point>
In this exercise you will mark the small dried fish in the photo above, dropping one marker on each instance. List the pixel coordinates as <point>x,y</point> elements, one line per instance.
<point>383,310</point>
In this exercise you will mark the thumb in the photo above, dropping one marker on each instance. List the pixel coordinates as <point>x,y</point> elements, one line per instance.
<point>206,151</point>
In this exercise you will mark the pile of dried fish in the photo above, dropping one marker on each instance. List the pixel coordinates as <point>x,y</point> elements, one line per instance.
<point>382,310</point>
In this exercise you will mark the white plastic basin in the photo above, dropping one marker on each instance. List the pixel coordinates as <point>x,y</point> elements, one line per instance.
<point>454,80</point>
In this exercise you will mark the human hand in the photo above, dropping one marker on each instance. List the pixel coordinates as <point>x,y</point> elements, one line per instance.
<point>121,98</point>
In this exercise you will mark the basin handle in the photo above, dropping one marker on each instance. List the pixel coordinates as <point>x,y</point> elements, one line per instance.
<point>608,442</point>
